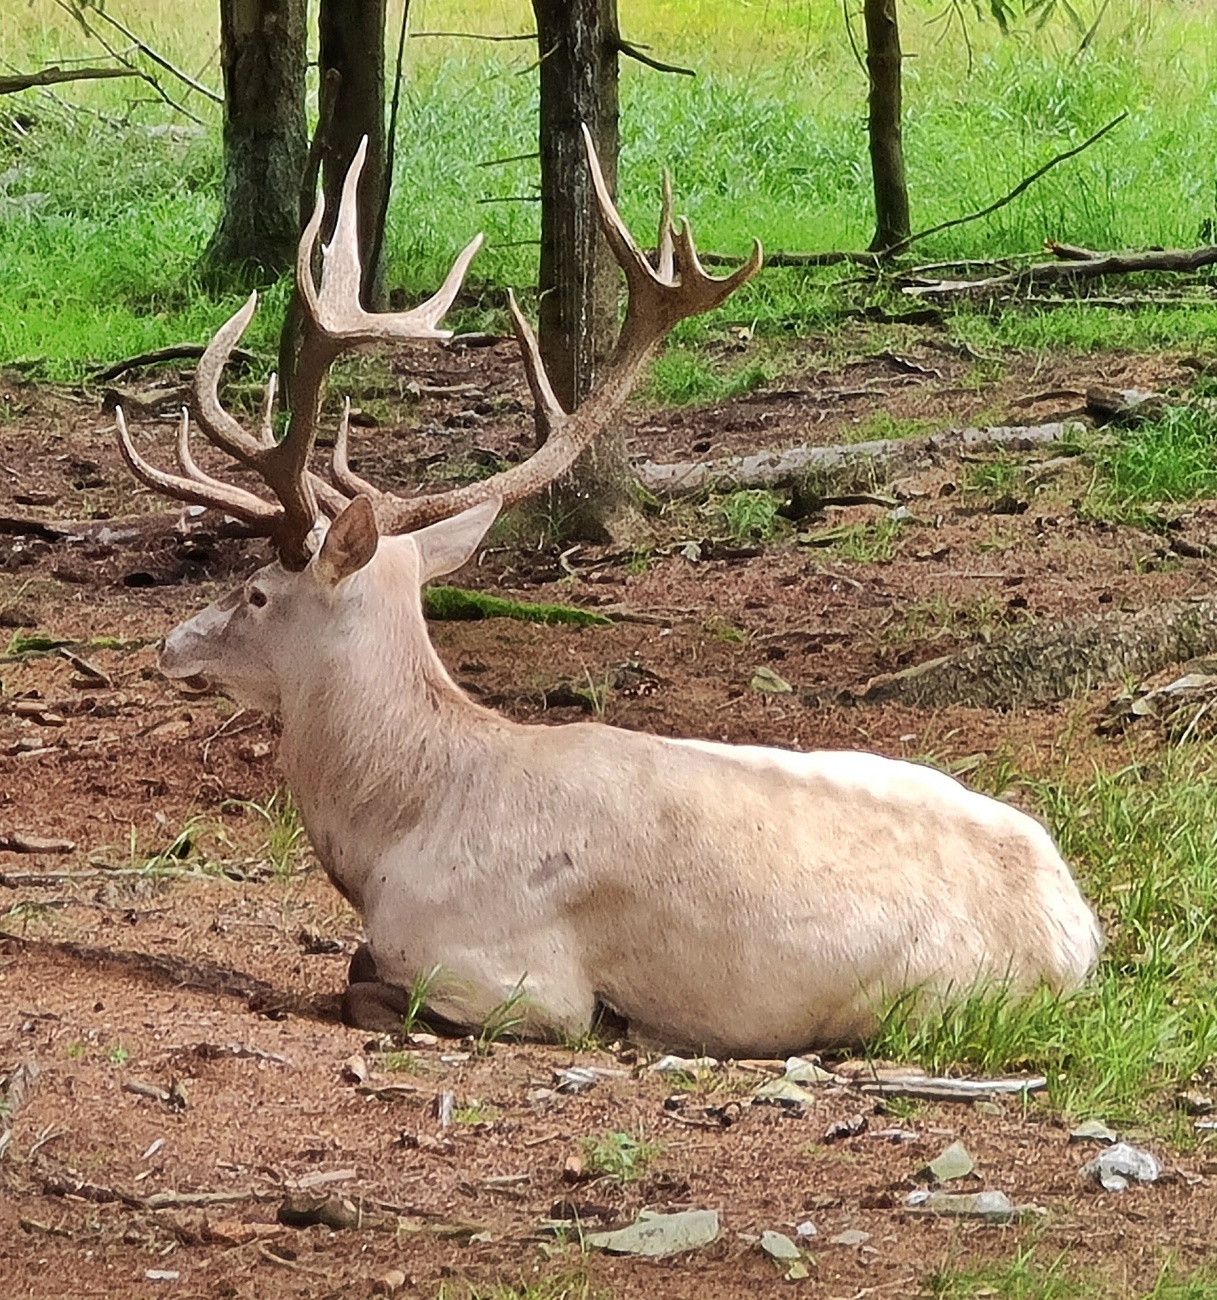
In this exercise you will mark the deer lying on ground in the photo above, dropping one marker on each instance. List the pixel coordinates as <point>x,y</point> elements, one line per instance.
<point>734,899</point>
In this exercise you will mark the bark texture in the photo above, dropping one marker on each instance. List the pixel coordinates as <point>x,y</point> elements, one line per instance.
<point>884,126</point>
<point>352,44</point>
<point>1044,663</point>
<point>263,56</point>
<point>578,41</point>
<point>844,464</point>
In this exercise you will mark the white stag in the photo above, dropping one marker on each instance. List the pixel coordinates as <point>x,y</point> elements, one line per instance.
<point>736,899</point>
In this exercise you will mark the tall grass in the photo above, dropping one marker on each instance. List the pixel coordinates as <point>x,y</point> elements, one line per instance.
<point>1144,842</point>
<point>768,139</point>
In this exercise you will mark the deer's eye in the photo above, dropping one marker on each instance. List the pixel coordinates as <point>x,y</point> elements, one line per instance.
<point>257,597</point>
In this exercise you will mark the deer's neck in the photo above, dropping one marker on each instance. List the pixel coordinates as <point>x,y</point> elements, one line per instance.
<point>372,739</point>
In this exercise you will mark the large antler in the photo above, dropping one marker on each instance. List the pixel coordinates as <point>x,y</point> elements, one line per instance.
<point>659,297</point>
<point>334,322</point>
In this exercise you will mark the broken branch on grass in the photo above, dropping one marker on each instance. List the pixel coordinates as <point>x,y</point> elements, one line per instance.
<point>77,11</point>
<point>779,258</point>
<point>474,36</point>
<point>1022,186</point>
<point>632,51</point>
<point>177,352</point>
<point>159,59</point>
<point>771,469</point>
<point>54,76</point>
<point>1071,271</point>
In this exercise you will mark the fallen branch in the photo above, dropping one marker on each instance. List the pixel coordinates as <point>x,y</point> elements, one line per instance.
<point>1022,186</point>
<point>1070,271</point>
<point>770,469</point>
<point>632,51</point>
<point>159,59</point>
<point>177,352</point>
<point>1045,663</point>
<point>54,76</point>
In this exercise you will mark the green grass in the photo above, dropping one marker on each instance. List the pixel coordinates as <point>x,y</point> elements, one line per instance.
<point>750,515</point>
<point>1163,462</point>
<point>102,219</point>
<point>1144,844</point>
<point>623,1157</point>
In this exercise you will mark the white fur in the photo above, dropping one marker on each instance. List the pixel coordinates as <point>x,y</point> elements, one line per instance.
<point>741,900</point>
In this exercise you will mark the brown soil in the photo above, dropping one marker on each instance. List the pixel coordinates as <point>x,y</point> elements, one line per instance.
<point>221,981</point>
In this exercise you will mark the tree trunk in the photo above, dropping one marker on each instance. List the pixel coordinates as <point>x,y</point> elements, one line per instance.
<point>352,44</point>
<point>263,55</point>
<point>578,42</point>
<point>883,59</point>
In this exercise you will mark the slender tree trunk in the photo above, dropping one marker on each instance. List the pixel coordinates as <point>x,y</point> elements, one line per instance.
<point>352,43</point>
<point>579,279</point>
<point>263,55</point>
<point>883,60</point>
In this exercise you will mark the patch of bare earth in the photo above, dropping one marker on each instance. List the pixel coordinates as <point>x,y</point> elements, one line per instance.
<point>216,991</point>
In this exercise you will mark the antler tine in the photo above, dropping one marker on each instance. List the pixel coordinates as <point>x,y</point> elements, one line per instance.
<point>663,257</point>
<point>220,427</point>
<point>197,489</point>
<point>266,428</point>
<point>345,478</point>
<point>334,307</point>
<point>659,297</point>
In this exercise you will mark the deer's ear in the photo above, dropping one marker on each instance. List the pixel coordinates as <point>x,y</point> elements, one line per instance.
<point>445,546</point>
<point>350,542</point>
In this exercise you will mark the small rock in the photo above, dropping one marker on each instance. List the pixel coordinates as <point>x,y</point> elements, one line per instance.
<point>805,1229</point>
<point>782,1092</point>
<point>1094,1130</point>
<point>162,1274</point>
<point>849,1127</point>
<point>682,1065</point>
<point>954,1162</point>
<point>1195,1103</point>
<point>1114,1168</point>
<point>850,1237</point>
<point>354,1069</point>
<point>575,1080</point>
<point>779,1246</point>
<point>994,1207</point>
<point>655,1235</point>
<point>766,680</point>
<point>801,1070</point>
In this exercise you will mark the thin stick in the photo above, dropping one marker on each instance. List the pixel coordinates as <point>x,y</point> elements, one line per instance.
<point>632,51</point>
<point>475,36</point>
<point>1024,184</point>
<point>53,76</point>
<point>159,59</point>
<point>1154,259</point>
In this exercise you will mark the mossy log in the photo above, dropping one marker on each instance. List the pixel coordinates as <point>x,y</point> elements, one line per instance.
<point>1044,663</point>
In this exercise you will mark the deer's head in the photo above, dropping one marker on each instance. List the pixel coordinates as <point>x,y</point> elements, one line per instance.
<point>343,544</point>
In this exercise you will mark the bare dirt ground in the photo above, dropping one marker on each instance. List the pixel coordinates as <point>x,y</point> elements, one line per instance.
<point>213,982</point>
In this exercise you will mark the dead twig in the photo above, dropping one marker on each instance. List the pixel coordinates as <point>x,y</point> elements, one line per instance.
<point>632,51</point>
<point>54,76</point>
<point>177,352</point>
<point>1022,186</point>
<point>1072,272</point>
